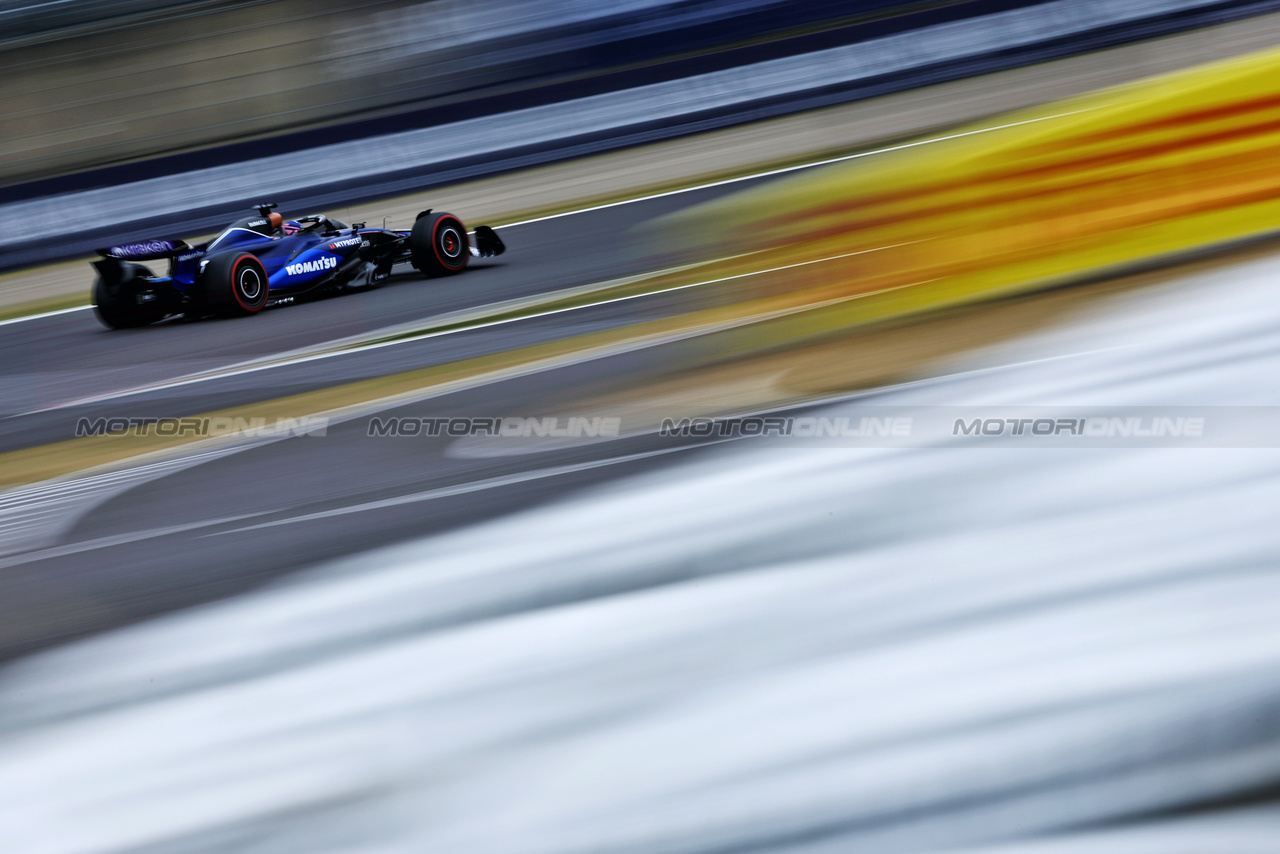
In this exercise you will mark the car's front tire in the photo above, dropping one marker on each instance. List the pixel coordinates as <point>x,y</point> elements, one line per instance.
<point>439,245</point>
<point>116,304</point>
<point>234,284</point>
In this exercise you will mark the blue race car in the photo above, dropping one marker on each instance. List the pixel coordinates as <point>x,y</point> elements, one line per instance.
<point>266,259</point>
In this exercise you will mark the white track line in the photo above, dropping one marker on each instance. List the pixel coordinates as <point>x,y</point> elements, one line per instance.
<point>427,495</point>
<point>458,489</point>
<point>785,169</point>
<point>234,371</point>
<point>464,488</point>
<point>353,343</point>
<point>708,185</point>
<point>43,315</point>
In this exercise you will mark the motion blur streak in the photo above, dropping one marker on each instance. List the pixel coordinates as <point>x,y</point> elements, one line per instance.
<point>757,651</point>
<point>1174,164</point>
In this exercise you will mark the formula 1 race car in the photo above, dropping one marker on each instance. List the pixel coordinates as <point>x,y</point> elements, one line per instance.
<point>262,260</point>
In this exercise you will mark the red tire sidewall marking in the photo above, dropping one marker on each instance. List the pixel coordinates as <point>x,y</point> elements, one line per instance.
<point>435,244</point>
<point>235,286</point>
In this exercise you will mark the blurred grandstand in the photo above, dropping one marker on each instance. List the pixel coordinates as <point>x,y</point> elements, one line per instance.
<point>87,83</point>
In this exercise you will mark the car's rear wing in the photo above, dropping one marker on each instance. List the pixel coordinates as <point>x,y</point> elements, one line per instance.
<point>145,249</point>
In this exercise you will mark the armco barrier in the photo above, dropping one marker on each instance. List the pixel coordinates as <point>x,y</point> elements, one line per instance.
<point>1078,188</point>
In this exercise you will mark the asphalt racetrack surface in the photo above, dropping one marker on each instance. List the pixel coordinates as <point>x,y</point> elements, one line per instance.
<point>143,544</point>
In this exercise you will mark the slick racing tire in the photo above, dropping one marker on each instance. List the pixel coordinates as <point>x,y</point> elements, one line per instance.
<point>234,284</point>
<point>117,305</point>
<point>439,246</point>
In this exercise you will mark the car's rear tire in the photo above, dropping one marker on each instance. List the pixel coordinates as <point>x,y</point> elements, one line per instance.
<point>116,305</point>
<point>439,245</point>
<point>234,284</point>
